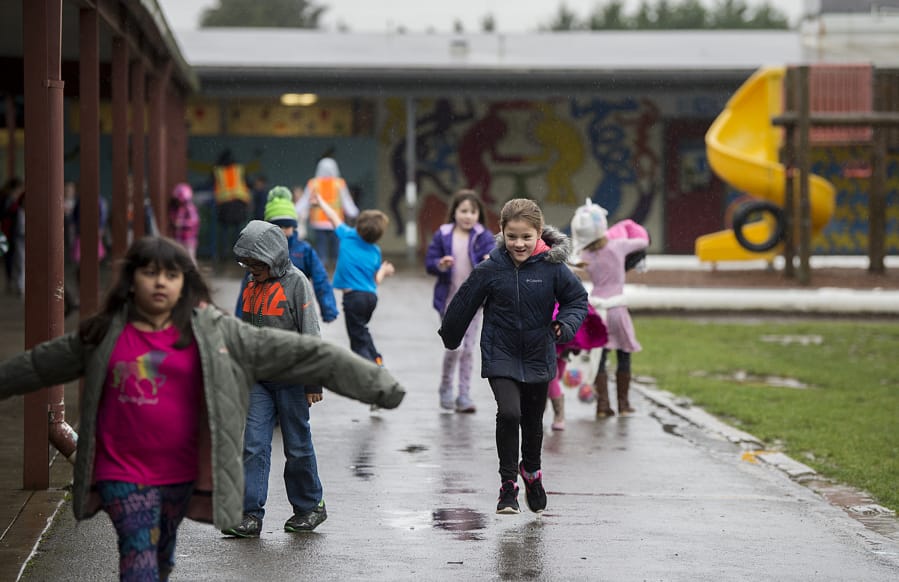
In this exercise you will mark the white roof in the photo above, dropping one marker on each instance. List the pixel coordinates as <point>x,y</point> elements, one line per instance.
<point>558,51</point>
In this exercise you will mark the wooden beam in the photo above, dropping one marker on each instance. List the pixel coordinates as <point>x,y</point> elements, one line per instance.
<point>805,166</point>
<point>874,118</point>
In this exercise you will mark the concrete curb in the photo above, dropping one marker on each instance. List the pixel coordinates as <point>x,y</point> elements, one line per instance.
<point>753,447</point>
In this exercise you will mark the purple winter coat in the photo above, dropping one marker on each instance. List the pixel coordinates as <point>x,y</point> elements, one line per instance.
<point>480,242</point>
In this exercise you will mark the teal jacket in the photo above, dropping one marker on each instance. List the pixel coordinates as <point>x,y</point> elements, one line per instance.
<point>233,356</point>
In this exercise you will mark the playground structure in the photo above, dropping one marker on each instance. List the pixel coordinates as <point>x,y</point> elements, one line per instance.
<point>748,147</point>
<point>743,148</point>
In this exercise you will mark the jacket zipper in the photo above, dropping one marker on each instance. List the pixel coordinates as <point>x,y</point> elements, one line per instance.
<point>518,309</point>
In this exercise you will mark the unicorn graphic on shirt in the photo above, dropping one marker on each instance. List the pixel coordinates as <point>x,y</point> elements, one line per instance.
<point>138,382</point>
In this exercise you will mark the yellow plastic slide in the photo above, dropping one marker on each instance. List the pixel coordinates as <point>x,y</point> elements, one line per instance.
<point>743,147</point>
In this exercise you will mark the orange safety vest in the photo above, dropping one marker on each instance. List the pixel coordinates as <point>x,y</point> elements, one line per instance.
<point>328,189</point>
<point>230,185</point>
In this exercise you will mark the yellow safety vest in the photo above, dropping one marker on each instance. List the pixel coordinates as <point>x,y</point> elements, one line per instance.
<point>230,184</point>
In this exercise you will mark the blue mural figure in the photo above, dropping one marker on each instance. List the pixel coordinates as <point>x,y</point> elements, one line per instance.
<point>432,135</point>
<point>609,148</point>
<point>646,161</point>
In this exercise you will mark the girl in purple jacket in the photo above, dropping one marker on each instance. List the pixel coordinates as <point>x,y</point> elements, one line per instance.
<point>456,248</point>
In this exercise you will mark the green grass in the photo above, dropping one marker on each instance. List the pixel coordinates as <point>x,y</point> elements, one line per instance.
<point>845,424</point>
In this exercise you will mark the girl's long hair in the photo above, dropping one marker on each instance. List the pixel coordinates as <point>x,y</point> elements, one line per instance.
<point>166,254</point>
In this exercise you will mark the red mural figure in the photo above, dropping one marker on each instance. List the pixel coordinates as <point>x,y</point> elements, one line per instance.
<point>484,137</point>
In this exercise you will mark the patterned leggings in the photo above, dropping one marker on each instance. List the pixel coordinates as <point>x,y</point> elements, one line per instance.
<point>146,519</point>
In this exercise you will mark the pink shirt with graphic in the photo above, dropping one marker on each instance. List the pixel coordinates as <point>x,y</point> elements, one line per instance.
<point>149,413</point>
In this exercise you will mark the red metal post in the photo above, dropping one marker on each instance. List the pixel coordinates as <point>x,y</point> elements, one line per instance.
<point>42,34</point>
<point>138,111</point>
<point>118,209</point>
<point>89,181</point>
<point>10,136</point>
<point>157,178</point>
<point>176,144</point>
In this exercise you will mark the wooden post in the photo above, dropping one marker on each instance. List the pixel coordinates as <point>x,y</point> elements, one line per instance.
<point>805,164</point>
<point>788,155</point>
<point>877,185</point>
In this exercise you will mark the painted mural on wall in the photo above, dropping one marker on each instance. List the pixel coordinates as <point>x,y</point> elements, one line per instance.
<point>557,152</point>
<point>847,232</point>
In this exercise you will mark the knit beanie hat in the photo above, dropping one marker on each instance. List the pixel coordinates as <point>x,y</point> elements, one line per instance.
<point>280,209</point>
<point>588,225</point>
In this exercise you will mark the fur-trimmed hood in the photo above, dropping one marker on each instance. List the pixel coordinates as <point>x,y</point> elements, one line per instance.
<point>559,244</point>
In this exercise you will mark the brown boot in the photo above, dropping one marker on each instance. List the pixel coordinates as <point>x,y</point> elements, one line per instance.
<point>622,385</point>
<point>601,387</point>
<point>558,412</point>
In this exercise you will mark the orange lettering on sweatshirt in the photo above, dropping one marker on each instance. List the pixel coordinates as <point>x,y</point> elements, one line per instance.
<point>263,299</point>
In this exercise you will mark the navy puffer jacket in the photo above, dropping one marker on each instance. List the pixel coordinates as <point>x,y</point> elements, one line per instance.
<point>517,340</point>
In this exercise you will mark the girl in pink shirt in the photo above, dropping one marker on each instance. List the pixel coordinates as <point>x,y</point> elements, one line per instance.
<point>604,258</point>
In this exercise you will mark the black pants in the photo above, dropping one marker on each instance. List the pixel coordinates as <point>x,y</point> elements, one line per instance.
<point>519,404</point>
<point>358,307</point>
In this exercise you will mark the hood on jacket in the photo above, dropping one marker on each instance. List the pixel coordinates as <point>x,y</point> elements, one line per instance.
<point>264,241</point>
<point>559,244</point>
<point>327,168</point>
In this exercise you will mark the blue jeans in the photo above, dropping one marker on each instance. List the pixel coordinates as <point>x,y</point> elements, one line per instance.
<point>358,307</point>
<point>286,405</point>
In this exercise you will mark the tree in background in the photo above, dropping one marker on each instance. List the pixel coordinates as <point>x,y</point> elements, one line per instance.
<point>669,15</point>
<point>488,23</point>
<point>565,19</point>
<point>263,13</point>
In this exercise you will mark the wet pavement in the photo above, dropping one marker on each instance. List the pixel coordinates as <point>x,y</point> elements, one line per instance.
<point>411,493</point>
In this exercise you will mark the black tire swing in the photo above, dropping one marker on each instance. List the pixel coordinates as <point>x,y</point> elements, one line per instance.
<point>749,213</point>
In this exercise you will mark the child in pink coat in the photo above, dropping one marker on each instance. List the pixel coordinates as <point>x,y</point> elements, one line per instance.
<point>184,220</point>
<point>592,334</point>
<point>603,252</point>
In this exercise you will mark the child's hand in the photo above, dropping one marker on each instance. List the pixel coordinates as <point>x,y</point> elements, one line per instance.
<point>387,268</point>
<point>557,329</point>
<point>313,199</point>
<point>445,262</point>
<point>313,398</point>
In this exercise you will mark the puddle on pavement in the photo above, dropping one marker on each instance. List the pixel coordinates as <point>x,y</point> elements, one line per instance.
<point>464,523</point>
<point>744,377</point>
<point>362,467</point>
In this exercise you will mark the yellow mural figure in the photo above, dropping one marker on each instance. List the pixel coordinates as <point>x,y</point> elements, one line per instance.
<point>394,125</point>
<point>561,144</point>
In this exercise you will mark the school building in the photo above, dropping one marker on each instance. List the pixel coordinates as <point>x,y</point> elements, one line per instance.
<point>618,117</point>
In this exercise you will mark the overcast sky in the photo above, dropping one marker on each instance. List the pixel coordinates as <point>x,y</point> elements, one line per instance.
<point>422,15</point>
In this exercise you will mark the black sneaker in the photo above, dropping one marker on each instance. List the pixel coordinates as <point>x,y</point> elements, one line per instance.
<point>300,522</point>
<point>533,489</point>
<point>249,527</point>
<point>508,498</point>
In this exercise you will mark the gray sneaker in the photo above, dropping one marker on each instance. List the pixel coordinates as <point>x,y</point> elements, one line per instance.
<point>249,527</point>
<point>465,404</point>
<point>302,522</point>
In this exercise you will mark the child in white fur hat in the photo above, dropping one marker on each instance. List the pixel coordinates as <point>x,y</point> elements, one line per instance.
<point>603,253</point>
